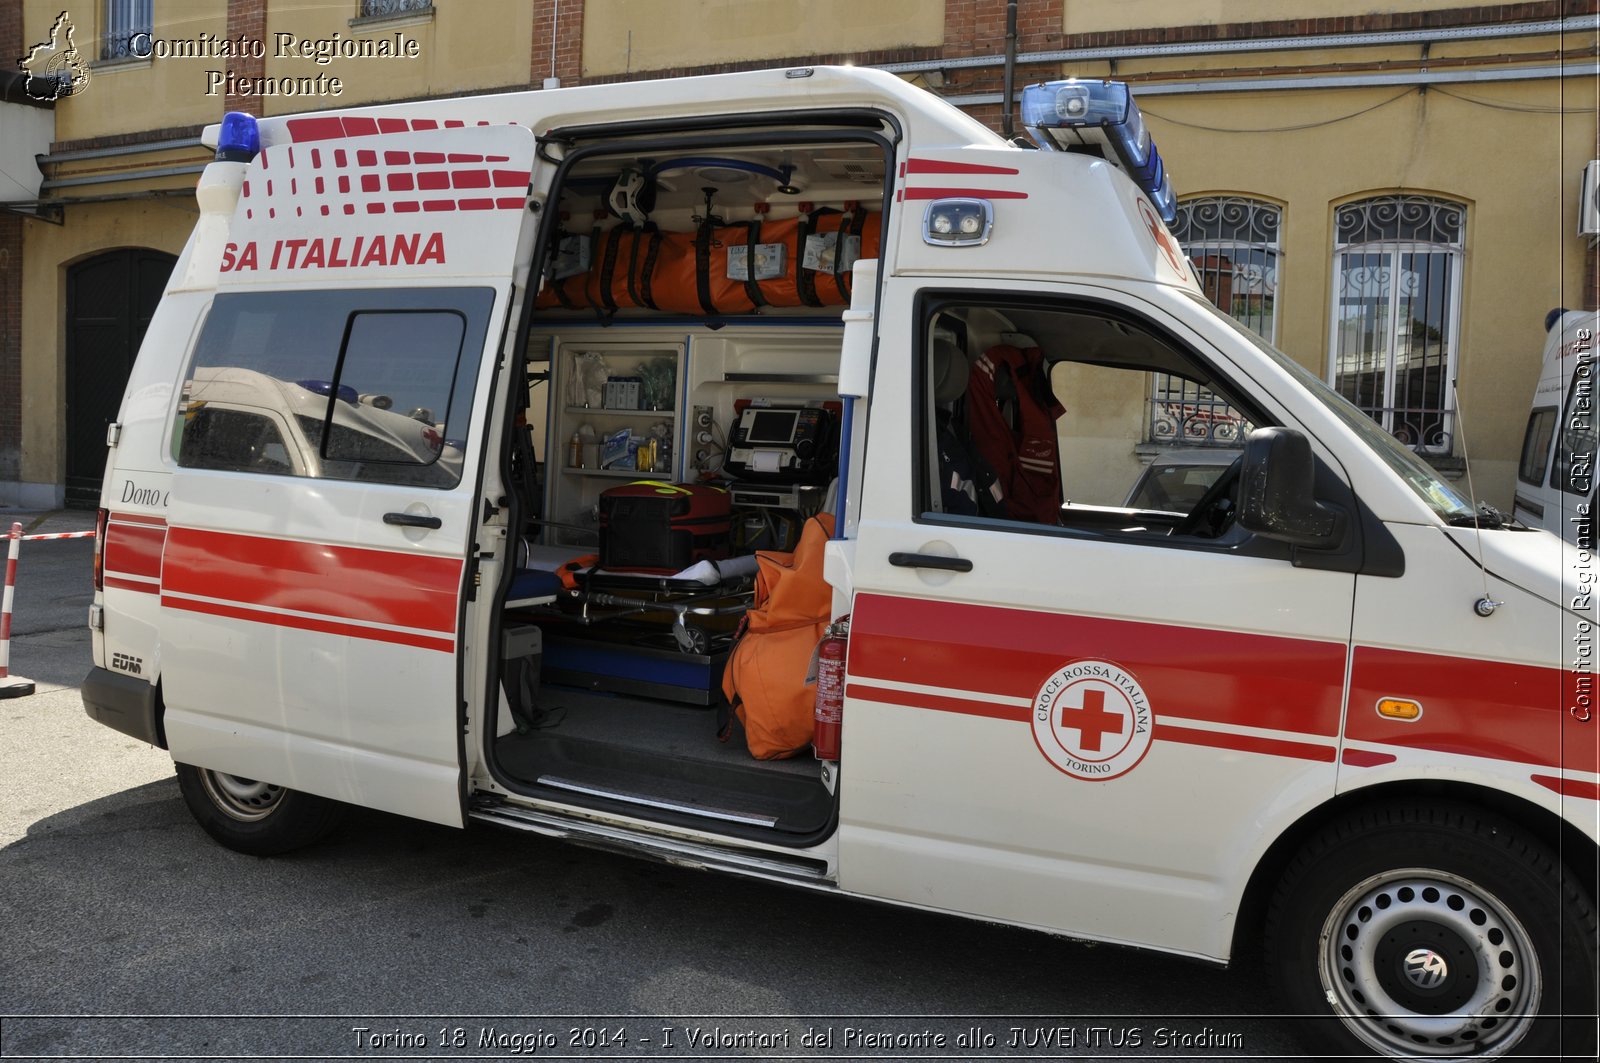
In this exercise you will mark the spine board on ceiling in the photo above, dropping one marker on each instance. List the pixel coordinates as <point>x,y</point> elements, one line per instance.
<point>732,268</point>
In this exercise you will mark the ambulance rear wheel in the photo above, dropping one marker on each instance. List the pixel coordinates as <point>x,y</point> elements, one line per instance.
<point>250,816</point>
<point>1435,931</point>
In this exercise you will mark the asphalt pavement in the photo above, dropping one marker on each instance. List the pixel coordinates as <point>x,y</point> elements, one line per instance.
<point>124,931</point>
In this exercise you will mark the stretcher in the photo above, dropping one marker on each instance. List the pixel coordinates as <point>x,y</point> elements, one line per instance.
<point>588,596</point>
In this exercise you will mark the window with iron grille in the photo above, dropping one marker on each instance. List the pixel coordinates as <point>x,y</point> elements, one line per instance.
<point>387,8</point>
<point>125,20</point>
<point>1232,241</point>
<point>1396,298</point>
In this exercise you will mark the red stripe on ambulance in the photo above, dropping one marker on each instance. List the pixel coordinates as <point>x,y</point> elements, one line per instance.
<point>964,193</point>
<point>138,518</point>
<point>306,623</point>
<point>1278,684</point>
<point>1474,708</point>
<point>1272,747</point>
<point>142,586</point>
<point>350,583</point>
<point>133,549</point>
<point>917,700</point>
<point>945,166</point>
<point>1589,791</point>
<point>1165,732</point>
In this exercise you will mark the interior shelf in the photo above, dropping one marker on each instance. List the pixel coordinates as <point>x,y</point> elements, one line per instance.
<point>632,474</point>
<point>602,411</point>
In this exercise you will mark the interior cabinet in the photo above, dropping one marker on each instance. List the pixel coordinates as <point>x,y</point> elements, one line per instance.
<point>599,390</point>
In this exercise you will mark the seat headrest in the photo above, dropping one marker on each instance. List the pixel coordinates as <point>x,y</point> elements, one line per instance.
<point>949,370</point>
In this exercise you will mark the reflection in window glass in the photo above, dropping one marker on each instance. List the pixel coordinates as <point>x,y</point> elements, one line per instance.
<point>1397,281</point>
<point>1536,446</point>
<point>1035,414</point>
<point>231,438</point>
<point>1573,471</point>
<point>1417,474</point>
<point>1232,242</point>
<point>367,385</point>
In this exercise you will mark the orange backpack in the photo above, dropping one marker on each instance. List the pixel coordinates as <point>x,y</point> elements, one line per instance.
<point>765,680</point>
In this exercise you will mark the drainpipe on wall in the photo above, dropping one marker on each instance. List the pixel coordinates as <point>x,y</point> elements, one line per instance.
<point>554,81</point>
<point>1007,130</point>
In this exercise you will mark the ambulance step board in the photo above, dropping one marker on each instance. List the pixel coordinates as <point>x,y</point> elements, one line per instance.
<point>762,863</point>
<point>751,818</point>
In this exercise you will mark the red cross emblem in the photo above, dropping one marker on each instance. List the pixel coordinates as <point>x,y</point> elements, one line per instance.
<point>1158,233</point>
<point>433,439</point>
<point>1091,720</point>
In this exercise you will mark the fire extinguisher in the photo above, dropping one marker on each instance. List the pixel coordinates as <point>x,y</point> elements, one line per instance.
<point>829,669</point>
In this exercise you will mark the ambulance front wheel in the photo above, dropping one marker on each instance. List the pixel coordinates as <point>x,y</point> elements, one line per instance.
<point>1435,931</point>
<point>254,817</point>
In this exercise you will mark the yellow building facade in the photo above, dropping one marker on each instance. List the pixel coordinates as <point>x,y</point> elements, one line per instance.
<point>1388,191</point>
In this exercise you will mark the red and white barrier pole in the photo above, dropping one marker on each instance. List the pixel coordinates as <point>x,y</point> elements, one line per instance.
<point>11,686</point>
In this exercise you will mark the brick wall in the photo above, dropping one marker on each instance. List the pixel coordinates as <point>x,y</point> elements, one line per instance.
<point>247,18</point>
<point>10,291</point>
<point>1374,22</point>
<point>565,21</point>
<point>978,27</point>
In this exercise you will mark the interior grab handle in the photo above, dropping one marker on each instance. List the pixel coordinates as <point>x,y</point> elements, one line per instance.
<point>413,520</point>
<point>949,564</point>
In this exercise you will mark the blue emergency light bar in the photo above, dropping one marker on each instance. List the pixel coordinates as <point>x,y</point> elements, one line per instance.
<point>325,387</point>
<point>239,139</point>
<point>1074,115</point>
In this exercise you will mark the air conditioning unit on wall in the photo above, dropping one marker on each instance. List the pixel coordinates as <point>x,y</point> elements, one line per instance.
<point>1589,201</point>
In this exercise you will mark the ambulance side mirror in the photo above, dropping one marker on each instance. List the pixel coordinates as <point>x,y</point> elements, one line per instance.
<point>1275,490</point>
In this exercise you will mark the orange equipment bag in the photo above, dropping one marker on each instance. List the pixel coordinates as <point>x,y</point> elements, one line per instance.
<point>690,273</point>
<point>765,680</point>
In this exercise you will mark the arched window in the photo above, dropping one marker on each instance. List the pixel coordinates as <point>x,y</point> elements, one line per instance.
<point>1396,298</point>
<point>1233,243</point>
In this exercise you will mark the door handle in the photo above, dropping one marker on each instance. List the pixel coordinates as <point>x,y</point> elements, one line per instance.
<point>412,520</point>
<point>949,564</point>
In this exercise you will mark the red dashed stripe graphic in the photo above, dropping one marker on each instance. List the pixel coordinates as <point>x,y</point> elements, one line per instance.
<point>393,173</point>
<point>302,130</point>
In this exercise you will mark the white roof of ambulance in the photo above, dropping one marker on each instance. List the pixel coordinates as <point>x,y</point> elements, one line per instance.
<point>1085,217</point>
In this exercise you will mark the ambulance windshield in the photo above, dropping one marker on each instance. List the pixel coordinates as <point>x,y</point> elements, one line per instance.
<point>1417,474</point>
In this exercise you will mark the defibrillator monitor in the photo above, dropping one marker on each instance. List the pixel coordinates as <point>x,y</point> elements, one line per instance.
<point>782,444</point>
<point>769,426</point>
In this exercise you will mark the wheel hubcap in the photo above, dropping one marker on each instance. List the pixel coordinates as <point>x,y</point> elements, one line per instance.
<point>1420,959</point>
<point>1426,969</point>
<point>245,800</point>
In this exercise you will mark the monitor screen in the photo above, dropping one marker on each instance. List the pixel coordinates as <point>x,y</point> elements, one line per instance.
<point>770,426</point>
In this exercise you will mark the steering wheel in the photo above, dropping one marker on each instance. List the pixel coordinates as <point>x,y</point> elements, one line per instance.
<point>1216,507</point>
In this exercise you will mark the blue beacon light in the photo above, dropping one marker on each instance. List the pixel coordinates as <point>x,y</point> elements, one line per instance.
<point>1073,115</point>
<point>240,139</point>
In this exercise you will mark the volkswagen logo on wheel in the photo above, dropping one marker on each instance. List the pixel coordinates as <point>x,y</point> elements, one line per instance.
<point>1426,968</point>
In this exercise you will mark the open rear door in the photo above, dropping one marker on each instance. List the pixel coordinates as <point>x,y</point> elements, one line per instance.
<point>326,452</point>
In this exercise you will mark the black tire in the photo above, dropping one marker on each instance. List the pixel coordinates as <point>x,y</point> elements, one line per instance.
<point>254,817</point>
<point>1434,931</point>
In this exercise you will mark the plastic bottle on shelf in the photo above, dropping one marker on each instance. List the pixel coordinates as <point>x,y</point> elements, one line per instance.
<point>575,457</point>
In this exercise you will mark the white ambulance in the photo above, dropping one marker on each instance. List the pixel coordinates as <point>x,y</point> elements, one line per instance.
<point>1555,475</point>
<point>1325,706</point>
